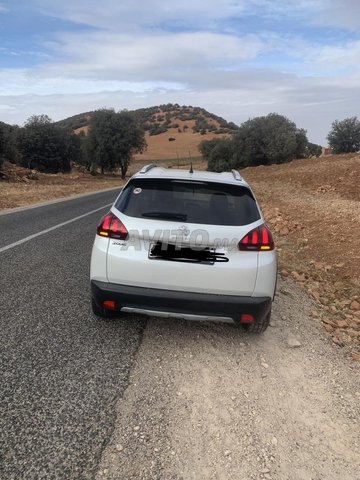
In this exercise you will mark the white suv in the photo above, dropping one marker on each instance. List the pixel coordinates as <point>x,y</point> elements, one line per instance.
<point>185,244</point>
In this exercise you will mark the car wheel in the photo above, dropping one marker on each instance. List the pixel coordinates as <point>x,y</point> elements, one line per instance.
<point>260,325</point>
<point>99,311</point>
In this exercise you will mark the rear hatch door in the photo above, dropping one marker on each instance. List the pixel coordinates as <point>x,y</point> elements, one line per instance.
<point>167,251</point>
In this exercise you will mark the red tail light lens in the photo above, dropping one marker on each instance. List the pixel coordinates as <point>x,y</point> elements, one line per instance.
<point>259,239</point>
<point>111,227</point>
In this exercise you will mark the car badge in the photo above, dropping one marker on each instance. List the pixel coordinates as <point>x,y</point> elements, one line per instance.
<point>184,230</point>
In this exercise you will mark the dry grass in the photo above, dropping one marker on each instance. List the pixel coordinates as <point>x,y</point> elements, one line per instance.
<point>185,144</point>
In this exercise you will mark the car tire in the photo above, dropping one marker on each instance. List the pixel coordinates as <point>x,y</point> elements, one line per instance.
<point>260,325</point>
<point>99,311</point>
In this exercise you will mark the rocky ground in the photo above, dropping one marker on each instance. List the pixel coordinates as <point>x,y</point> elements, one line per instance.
<point>207,401</point>
<point>313,208</point>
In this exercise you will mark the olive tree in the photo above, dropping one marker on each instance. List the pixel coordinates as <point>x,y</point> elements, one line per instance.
<point>259,141</point>
<point>45,146</point>
<point>344,136</point>
<point>113,139</point>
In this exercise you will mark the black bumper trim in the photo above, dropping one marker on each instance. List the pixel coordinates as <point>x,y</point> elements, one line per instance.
<point>173,301</point>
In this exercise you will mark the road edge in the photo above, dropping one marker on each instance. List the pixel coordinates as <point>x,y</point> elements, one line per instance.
<point>57,200</point>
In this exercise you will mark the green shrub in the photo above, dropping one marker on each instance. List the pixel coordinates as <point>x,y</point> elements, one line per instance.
<point>344,136</point>
<point>260,141</point>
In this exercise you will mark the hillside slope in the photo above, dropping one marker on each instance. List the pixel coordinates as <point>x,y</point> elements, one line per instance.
<point>172,131</point>
<point>174,144</point>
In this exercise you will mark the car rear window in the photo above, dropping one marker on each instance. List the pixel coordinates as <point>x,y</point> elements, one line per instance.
<point>188,201</point>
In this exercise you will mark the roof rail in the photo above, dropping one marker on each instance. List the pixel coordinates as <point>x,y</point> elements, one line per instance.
<point>148,167</point>
<point>236,175</point>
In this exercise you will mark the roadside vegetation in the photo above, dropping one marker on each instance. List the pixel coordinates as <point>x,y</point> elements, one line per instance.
<point>40,145</point>
<point>49,147</point>
<point>43,146</point>
<point>344,136</point>
<point>112,141</point>
<point>259,141</point>
<point>105,141</point>
<point>7,143</point>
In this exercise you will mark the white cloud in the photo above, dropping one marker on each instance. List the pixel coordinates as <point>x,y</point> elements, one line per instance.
<point>343,13</point>
<point>187,52</point>
<point>340,57</point>
<point>21,82</point>
<point>160,56</point>
<point>126,15</point>
<point>337,13</point>
<point>129,15</point>
<point>307,58</point>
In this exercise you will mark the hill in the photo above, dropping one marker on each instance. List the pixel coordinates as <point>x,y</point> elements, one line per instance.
<point>171,130</point>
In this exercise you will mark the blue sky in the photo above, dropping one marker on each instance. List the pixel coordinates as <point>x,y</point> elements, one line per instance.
<point>236,58</point>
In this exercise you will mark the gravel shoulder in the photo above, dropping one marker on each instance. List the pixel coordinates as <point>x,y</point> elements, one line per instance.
<point>208,401</point>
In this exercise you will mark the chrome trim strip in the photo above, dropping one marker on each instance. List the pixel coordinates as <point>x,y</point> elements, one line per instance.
<point>183,316</point>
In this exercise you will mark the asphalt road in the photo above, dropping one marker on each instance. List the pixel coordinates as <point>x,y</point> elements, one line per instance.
<point>61,369</point>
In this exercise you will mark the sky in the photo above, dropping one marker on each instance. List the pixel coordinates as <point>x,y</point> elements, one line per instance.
<point>236,58</point>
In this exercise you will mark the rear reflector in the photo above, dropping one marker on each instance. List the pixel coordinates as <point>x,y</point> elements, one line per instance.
<point>111,227</point>
<point>246,318</point>
<point>259,239</point>
<point>108,304</point>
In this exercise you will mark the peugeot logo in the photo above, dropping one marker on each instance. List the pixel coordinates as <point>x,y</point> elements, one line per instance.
<point>184,230</point>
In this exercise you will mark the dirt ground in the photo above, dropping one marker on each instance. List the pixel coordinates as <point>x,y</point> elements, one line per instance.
<point>26,187</point>
<point>313,208</point>
<point>185,144</point>
<point>208,401</point>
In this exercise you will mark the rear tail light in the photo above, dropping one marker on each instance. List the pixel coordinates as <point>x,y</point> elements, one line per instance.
<point>259,239</point>
<point>111,227</point>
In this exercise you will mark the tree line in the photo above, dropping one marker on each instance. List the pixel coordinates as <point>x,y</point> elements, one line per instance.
<point>114,137</point>
<point>43,145</point>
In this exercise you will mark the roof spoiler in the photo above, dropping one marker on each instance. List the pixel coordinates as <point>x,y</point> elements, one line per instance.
<point>236,175</point>
<point>148,167</point>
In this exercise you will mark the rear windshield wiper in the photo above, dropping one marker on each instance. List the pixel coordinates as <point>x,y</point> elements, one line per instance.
<point>167,215</point>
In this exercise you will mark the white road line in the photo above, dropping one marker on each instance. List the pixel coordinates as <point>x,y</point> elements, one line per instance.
<point>43,232</point>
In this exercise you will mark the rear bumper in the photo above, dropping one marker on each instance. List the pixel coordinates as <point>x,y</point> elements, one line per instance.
<point>169,303</point>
